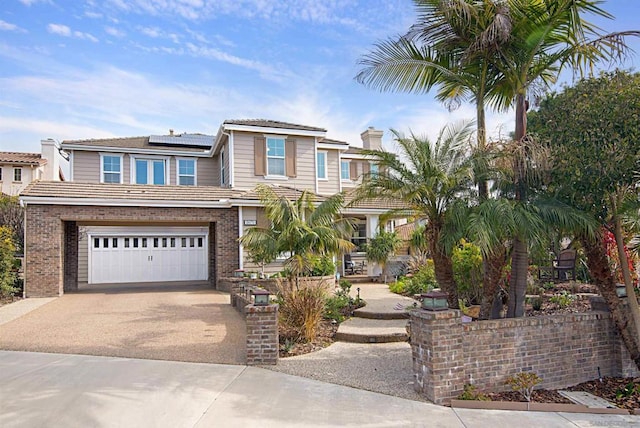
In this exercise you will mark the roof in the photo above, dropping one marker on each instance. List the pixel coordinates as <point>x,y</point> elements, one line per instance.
<point>405,231</point>
<point>332,141</point>
<point>74,189</point>
<point>372,203</point>
<point>264,123</point>
<point>281,191</point>
<point>128,143</point>
<point>354,151</point>
<point>19,158</point>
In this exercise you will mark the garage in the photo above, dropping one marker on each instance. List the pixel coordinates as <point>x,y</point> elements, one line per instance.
<point>146,254</point>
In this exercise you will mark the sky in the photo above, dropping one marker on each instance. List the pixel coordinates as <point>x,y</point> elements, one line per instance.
<point>76,69</point>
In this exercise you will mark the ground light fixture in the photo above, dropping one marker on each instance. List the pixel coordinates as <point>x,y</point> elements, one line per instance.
<point>261,297</point>
<point>435,301</point>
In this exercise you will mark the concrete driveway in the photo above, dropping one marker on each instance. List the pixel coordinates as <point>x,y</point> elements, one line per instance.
<point>184,322</point>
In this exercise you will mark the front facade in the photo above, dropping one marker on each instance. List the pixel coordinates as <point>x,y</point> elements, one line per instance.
<point>18,169</point>
<point>172,207</point>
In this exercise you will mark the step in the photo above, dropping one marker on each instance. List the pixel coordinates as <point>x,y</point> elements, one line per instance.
<point>381,314</point>
<point>362,330</point>
<point>587,399</point>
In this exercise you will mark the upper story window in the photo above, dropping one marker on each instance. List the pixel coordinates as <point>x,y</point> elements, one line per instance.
<point>345,170</point>
<point>275,156</point>
<point>111,169</point>
<point>150,171</point>
<point>223,169</point>
<point>0,174</point>
<point>186,172</point>
<point>321,165</point>
<point>17,174</point>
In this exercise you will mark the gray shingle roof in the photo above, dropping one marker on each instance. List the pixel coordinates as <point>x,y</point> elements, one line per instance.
<point>127,143</point>
<point>74,189</point>
<point>20,158</point>
<point>264,123</point>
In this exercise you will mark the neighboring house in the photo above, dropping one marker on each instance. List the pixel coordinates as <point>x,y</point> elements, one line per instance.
<point>172,207</point>
<point>18,169</point>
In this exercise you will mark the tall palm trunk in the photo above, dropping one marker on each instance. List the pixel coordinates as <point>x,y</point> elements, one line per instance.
<point>443,267</point>
<point>603,278</point>
<point>493,265</point>
<point>520,255</point>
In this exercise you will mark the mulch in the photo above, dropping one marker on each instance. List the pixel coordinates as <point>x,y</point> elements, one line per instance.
<point>291,344</point>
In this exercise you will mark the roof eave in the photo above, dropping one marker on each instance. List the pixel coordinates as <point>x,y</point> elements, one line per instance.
<point>271,130</point>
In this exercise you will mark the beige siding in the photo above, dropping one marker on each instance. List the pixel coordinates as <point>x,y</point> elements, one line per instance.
<point>331,185</point>
<point>244,168</point>
<point>173,171</point>
<point>215,170</point>
<point>86,166</point>
<point>83,257</point>
<point>207,172</point>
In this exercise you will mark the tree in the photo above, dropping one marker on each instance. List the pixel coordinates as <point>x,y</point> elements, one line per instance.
<point>12,216</point>
<point>434,183</point>
<point>380,247</point>
<point>301,229</point>
<point>594,133</point>
<point>7,260</point>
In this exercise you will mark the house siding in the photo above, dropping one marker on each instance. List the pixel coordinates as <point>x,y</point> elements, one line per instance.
<point>10,187</point>
<point>244,177</point>
<point>86,167</point>
<point>207,172</point>
<point>332,184</point>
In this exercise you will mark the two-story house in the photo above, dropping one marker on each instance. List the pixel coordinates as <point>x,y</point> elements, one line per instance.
<point>19,169</point>
<point>172,207</point>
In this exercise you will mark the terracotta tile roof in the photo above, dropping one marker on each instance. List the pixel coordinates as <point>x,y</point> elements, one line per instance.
<point>354,151</point>
<point>19,158</point>
<point>404,231</point>
<point>372,203</point>
<point>74,189</point>
<point>288,192</point>
<point>127,143</point>
<point>272,124</point>
<point>332,141</point>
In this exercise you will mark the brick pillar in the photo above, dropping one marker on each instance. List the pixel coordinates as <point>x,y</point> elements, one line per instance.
<point>262,334</point>
<point>70,256</point>
<point>438,360</point>
<point>44,271</point>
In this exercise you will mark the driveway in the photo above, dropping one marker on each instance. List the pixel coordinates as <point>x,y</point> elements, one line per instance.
<point>185,322</point>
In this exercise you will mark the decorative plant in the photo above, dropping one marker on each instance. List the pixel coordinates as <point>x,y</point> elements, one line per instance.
<point>7,272</point>
<point>380,247</point>
<point>471,393</point>
<point>562,300</point>
<point>524,382</point>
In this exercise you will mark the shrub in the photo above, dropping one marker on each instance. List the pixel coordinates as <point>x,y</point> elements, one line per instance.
<point>524,382</point>
<point>467,271</point>
<point>7,263</point>
<point>301,309</point>
<point>422,281</point>
<point>471,393</point>
<point>323,266</point>
<point>399,286</point>
<point>562,300</point>
<point>337,308</point>
<point>536,303</point>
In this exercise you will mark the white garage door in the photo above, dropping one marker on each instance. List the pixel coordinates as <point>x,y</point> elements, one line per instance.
<point>119,255</point>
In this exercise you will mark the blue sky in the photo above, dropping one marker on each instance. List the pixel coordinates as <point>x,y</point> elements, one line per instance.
<point>74,69</point>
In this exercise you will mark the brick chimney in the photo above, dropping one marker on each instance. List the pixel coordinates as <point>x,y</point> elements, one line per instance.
<point>372,139</point>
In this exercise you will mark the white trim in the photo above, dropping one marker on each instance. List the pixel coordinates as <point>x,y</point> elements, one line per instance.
<point>71,157</point>
<point>276,131</point>
<point>240,232</point>
<point>276,177</point>
<point>348,179</point>
<point>326,165</point>
<point>222,168</point>
<point>315,149</point>
<point>167,168</point>
<point>147,230</point>
<point>115,155</point>
<point>195,171</point>
<point>35,200</point>
<point>230,157</point>
<point>356,156</point>
<point>278,136</point>
<point>133,150</point>
<point>282,138</point>
<point>333,146</point>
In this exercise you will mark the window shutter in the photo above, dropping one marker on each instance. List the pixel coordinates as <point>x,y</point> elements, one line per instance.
<point>260,159</point>
<point>365,168</point>
<point>290,157</point>
<point>353,170</point>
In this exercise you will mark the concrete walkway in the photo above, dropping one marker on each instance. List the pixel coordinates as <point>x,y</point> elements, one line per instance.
<point>56,390</point>
<point>15,310</point>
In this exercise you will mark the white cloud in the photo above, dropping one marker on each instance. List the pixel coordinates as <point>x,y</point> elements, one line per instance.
<point>115,32</point>
<point>152,32</point>
<point>93,15</point>
<point>6,26</point>
<point>65,31</point>
<point>59,29</point>
<point>30,2</point>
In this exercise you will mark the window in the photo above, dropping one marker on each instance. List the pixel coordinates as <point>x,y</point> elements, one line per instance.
<point>344,170</point>
<point>275,156</point>
<point>111,169</point>
<point>149,171</point>
<point>321,165</point>
<point>186,172</point>
<point>0,174</point>
<point>222,168</point>
<point>17,174</point>
<point>373,169</point>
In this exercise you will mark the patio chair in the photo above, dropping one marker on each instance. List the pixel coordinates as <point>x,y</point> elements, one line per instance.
<point>351,267</point>
<point>562,269</point>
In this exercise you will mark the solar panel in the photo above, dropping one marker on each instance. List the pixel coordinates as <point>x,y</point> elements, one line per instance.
<point>183,140</point>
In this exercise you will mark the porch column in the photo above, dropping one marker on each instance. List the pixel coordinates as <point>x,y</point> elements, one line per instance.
<point>372,230</point>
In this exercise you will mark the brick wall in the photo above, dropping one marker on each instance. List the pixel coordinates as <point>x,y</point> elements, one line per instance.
<point>562,349</point>
<point>49,250</point>
<point>262,325</point>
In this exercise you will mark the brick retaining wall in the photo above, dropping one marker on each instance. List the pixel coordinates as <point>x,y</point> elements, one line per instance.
<point>563,350</point>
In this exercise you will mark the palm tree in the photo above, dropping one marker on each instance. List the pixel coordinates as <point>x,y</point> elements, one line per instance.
<point>301,229</point>
<point>433,180</point>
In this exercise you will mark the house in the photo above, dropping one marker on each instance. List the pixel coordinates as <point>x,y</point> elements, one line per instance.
<point>172,207</point>
<point>18,169</point>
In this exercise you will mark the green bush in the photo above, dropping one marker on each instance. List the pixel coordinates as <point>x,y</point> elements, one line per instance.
<point>399,286</point>
<point>562,300</point>
<point>323,266</point>
<point>337,308</point>
<point>7,262</point>
<point>422,281</point>
<point>467,271</point>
